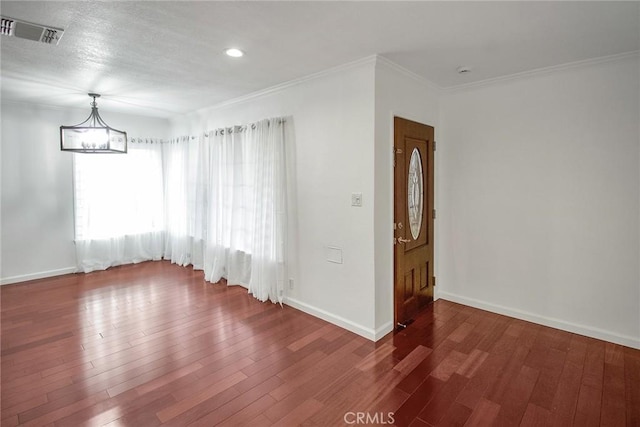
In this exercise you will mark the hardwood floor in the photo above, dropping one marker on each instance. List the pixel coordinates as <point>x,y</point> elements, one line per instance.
<point>152,344</point>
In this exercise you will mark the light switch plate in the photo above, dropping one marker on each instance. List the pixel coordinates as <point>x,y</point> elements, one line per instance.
<point>356,199</point>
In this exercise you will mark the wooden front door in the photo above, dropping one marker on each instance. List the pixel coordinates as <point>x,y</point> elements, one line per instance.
<point>413,218</point>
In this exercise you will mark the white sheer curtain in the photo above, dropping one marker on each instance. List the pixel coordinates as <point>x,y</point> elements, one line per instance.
<point>225,206</point>
<point>218,202</point>
<point>228,218</point>
<point>186,186</point>
<point>119,207</point>
<point>268,199</point>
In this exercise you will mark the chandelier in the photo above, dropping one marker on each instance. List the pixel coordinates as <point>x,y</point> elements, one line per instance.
<point>93,135</point>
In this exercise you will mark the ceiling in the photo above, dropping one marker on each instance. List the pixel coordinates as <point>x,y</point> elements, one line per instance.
<point>166,58</point>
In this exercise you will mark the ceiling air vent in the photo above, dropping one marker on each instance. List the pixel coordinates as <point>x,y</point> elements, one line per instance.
<point>7,26</point>
<point>35,32</point>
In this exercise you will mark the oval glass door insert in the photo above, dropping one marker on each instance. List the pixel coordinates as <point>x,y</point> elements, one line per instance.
<point>415,193</point>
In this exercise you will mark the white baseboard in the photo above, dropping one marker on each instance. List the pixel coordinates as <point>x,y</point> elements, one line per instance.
<point>39,275</point>
<point>383,330</point>
<point>588,331</point>
<point>347,324</point>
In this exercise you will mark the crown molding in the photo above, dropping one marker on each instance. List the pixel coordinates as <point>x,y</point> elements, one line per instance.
<point>291,83</point>
<point>40,104</point>
<point>368,60</point>
<point>408,73</point>
<point>68,108</point>
<point>542,71</point>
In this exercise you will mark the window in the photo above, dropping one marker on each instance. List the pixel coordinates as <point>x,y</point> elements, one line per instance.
<point>118,195</point>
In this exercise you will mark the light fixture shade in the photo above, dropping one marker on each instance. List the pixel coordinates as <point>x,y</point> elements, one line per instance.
<point>93,135</point>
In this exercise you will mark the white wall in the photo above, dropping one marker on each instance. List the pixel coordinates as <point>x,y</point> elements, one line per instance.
<point>37,194</point>
<point>398,93</point>
<point>333,118</point>
<point>539,198</point>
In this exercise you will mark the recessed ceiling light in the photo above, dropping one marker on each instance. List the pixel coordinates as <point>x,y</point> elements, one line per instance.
<point>463,69</point>
<point>233,52</point>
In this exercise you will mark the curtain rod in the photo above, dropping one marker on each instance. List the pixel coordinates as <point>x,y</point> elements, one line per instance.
<point>240,128</point>
<point>147,140</point>
<point>218,131</point>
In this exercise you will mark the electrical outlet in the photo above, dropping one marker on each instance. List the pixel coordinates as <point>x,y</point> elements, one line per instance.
<point>356,199</point>
<point>290,284</point>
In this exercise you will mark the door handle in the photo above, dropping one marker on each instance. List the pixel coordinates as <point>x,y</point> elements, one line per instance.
<point>401,240</point>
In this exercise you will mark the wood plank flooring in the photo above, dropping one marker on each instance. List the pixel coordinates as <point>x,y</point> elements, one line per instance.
<point>153,344</point>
